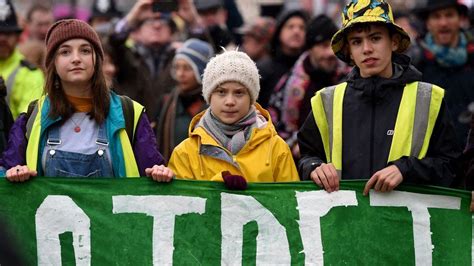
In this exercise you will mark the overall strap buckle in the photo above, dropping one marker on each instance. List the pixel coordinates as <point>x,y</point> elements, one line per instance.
<point>52,141</point>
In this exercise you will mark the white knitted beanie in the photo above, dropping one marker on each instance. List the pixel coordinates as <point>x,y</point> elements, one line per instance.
<point>231,66</point>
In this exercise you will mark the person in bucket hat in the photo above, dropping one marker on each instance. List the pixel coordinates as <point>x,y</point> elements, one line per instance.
<point>382,124</point>
<point>358,12</point>
<point>446,58</point>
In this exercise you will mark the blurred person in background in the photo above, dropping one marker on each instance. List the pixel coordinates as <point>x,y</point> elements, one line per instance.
<point>331,8</point>
<point>24,81</point>
<point>214,16</point>
<point>110,68</point>
<point>234,17</point>
<point>185,101</point>
<point>256,38</point>
<point>38,20</point>
<point>447,58</point>
<point>414,28</point>
<point>103,13</point>
<point>68,10</point>
<point>317,67</point>
<point>152,51</point>
<point>188,22</point>
<point>250,10</point>
<point>213,22</point>
<point>125,79</point>
<point>408,24</point>
<point>287,45</point>
<point>34,52</point>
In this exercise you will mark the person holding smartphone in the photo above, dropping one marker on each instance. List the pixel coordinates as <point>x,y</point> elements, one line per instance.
<point>151,54</point>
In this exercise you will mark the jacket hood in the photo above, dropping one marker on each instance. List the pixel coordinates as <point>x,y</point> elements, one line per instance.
<point>403,73</point>
<point>258,135</point>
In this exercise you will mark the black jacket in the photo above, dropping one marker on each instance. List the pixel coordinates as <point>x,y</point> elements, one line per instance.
<point>457,81</point>
<point>134,76</point>
<point>6,118</point>
<point>370,110</point>
<point>273,69</point>
<point>467,162</point>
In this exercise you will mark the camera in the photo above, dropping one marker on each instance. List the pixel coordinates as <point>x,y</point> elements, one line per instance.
<point>165,6</point>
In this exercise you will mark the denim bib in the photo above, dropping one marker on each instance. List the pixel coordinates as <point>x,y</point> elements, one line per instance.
<point>59,163</point>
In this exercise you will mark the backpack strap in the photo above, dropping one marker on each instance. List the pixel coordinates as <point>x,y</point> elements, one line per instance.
<point>31,108</point>
<point>128,114</point>
<point>30,116</point>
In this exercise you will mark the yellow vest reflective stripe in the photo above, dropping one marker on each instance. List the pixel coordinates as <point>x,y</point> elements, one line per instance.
<point>131,167</point>
<point>417,114</point>
<point>33,135</point>
<point>34,130</point>
<point>327,110</point>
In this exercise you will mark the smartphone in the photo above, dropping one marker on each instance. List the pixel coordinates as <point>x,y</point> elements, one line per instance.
<point>165,6</point>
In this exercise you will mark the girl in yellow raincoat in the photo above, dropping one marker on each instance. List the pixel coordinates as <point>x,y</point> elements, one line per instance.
<point>233,140</point>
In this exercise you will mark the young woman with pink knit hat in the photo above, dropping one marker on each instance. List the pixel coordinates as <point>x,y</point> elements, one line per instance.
<point>79,128</point>
<point>234,139</point>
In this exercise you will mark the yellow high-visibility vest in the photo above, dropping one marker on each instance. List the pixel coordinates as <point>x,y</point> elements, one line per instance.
<point>416,119</point>
<point>34,129</point>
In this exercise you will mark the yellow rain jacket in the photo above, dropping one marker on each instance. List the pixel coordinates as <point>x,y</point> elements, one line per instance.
<point>265,157</point>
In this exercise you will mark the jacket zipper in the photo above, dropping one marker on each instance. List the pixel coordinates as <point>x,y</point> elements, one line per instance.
<point>372,126</point>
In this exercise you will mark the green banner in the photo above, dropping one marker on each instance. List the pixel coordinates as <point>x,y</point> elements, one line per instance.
<point>141,222</point>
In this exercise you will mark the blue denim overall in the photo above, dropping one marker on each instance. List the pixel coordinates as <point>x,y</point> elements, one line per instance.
<point>72,164</point>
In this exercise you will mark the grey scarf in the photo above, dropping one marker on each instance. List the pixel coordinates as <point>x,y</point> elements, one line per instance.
<point>232,137</point>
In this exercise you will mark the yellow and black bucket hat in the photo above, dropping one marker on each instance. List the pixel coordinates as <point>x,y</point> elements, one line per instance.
<point>365,11</point>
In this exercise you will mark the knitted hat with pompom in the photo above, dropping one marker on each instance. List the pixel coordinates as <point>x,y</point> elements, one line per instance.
<point>231,66</point>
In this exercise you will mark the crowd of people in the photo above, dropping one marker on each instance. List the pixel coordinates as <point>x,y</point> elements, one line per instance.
<point>189,90</point>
